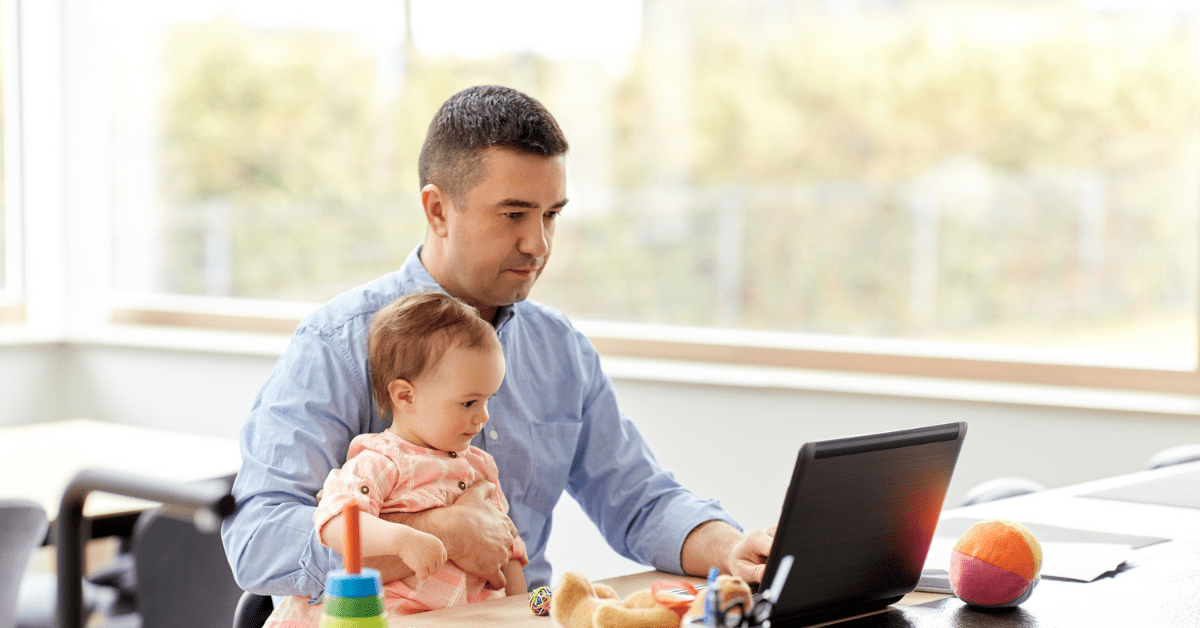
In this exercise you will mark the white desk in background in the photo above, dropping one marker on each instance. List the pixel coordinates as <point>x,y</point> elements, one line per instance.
<point>38,460</point>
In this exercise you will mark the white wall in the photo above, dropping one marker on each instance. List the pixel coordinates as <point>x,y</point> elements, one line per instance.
<point>33,383</point>
<point>735,444</point>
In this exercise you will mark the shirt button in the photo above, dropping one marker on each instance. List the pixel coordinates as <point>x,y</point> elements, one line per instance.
<point>462,486</point>
<point>454,454</point>
<point>365,490</point>
<point>494,434</point>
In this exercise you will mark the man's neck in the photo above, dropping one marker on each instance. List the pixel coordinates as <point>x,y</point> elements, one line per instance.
<point>431,260</point>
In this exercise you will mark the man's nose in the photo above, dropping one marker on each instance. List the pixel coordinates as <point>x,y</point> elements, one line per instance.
<point>535,239</point>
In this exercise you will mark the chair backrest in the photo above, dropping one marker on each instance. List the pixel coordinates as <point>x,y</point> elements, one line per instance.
<point>1178,454</point>
<point>23,527</point>
<point>183,576</point>
<point>253,610</point>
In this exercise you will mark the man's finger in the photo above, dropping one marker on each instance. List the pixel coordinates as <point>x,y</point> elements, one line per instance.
<point>478,492</point>
<point>761,542</point>
<point>498,581</point>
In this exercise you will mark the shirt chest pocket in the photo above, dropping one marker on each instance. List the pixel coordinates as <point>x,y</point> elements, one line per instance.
<point>550,455</point>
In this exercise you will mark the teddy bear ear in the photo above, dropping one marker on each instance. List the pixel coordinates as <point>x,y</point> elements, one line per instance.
<point>569,596</point>
<point>604,591</point>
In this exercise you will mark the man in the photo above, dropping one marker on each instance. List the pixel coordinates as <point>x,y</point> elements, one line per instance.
<point>493,184</point>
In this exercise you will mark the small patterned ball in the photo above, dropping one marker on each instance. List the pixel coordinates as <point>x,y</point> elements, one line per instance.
<point>995,563</point>
<point>539,601</point>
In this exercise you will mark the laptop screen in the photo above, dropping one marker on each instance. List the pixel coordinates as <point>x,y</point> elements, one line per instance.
<point>858,519</point>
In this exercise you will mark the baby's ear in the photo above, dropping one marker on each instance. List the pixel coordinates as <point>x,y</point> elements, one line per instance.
<point>403,395</point>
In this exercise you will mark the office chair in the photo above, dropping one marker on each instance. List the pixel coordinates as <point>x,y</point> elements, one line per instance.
<point>183,579</point>
<point>28,600</point>
<point>252,610</point>
<point>1178,454</point>
<point>1000,488</point>
<point>191,590</point>
<point>120,573</point>
<point>23,526</point>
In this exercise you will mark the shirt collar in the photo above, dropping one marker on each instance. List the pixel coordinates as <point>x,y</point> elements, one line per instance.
<point>503,314</point>
<point>414,270</point>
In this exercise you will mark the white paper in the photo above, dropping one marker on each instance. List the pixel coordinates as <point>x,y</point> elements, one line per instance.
<point>1074,561</point>
<point>1081,561</point>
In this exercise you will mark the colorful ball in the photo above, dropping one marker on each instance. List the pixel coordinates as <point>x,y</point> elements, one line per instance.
<point>995,563</point>
<point>539,601</point>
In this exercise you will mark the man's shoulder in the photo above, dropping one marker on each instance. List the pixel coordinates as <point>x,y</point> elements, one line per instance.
<point>357,305</point>
<point>551,335</point>
<point>544,316</point>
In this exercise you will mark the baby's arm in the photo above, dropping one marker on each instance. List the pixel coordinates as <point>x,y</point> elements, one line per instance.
<point>422,552</point>
<point>514,575</point>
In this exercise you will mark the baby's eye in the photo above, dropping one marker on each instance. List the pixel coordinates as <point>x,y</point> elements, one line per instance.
<point>468,404</point>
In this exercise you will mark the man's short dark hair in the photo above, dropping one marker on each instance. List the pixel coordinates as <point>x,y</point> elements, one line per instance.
<point>478,118</point>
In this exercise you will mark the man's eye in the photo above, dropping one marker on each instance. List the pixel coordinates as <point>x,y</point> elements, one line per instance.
<point>514,215</point>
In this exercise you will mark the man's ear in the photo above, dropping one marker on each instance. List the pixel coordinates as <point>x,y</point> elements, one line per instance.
<point>403,395</point>
<point>437,205</point>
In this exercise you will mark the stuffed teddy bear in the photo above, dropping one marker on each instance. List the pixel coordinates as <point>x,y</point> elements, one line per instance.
<point>577,603</point>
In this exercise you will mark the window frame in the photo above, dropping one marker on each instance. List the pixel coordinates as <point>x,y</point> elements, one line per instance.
<point>66,295</point>
<point>12,306</point>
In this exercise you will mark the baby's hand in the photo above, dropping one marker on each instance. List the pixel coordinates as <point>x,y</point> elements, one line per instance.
<point>423,553</point>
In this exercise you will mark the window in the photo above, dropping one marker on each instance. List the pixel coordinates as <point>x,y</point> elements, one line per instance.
<point>11,308</point>
<point>803,177</point>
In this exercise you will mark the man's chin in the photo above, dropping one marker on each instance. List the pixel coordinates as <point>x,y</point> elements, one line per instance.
<point>515,296</point>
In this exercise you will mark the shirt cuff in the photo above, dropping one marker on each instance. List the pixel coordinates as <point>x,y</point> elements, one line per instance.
<point>311,579</point>
<point>675,530</point>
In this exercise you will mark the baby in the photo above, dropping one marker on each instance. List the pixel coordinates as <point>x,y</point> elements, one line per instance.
<point>434,365</point>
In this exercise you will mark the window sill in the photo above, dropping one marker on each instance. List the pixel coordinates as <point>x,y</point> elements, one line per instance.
<point>161,339</point>
<point>898,386</point>
<point>683,371</point>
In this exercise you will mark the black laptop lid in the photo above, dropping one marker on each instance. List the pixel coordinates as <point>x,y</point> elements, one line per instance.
<point>858,519</point>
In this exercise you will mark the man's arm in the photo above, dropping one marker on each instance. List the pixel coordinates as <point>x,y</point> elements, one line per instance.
<point>299,428</point>
<point>718,544</point>
<point>638,505</point>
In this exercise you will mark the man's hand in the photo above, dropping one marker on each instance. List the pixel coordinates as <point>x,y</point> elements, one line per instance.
<point>748,559</point>
<point>718,544</point>
<point>478,537</point>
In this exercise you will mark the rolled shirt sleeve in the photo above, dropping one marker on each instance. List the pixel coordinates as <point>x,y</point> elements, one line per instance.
<point>639,506</point>
<point>558,428</point>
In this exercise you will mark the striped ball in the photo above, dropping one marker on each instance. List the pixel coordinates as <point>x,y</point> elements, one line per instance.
<point>995,563</point>
<point>539,601</point>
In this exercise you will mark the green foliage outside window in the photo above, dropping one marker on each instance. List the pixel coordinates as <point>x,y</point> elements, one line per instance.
<point>924,174</point>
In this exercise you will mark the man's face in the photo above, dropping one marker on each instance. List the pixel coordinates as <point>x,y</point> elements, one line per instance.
<point>499,239</point>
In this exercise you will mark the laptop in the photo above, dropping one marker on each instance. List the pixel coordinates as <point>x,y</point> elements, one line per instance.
<point>858,520</point>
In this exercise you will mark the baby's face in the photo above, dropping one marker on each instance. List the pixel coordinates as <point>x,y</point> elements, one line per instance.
<point>450,401</point>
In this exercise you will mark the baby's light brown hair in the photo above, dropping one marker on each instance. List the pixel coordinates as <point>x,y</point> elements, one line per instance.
<point>409,336</point>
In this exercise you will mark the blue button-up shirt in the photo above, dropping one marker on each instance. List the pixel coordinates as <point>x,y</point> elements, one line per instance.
<point>554,426</point>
